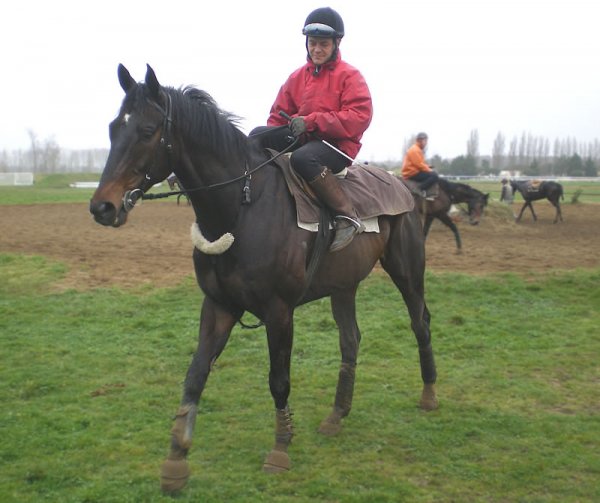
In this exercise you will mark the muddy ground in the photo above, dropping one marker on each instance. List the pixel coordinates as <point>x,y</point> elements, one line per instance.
<point>154,247</point>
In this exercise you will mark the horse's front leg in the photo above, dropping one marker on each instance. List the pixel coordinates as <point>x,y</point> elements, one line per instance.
<point>280,331</point>
<point>525,204</point>
<point>446,220</point>
<point>532,212</point>
<point>215,327</point>
<point>343,306</point>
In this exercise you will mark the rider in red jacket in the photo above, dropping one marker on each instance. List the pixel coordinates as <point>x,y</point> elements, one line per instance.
<point>327,99</point>
<point>333,99</point>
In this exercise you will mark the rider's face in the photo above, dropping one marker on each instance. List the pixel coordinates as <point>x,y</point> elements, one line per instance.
<point>320,49</point>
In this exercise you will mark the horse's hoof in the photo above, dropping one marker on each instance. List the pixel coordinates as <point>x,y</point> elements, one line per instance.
<point>277,462</point>
<point>329,428</point>
<point>429,399</point>
<point>174,474</point>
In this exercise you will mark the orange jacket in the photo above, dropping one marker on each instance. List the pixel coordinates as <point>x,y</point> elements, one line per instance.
<point>414,162</point>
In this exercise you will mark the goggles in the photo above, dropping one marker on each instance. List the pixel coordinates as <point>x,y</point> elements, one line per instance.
<point>319,30</point>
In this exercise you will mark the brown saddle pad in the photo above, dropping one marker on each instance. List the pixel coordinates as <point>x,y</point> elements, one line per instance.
<point>373,192</point>
<point>415,188</point>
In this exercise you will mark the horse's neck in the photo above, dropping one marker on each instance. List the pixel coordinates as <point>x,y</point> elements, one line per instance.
<point>460,194</point>
<point>216,206</point>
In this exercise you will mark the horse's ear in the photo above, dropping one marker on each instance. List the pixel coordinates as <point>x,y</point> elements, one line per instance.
<point>125,78</point>
<point>152,82</point>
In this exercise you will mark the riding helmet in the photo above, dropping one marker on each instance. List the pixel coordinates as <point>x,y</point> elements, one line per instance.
<point>325,23</point>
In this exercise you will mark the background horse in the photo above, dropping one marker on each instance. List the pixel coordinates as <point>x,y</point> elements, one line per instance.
<point>450,193</point>
<point>254,255</point>
<point>553,191</point>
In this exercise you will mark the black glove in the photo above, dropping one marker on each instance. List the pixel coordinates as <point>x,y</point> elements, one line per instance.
<point>298,126</point>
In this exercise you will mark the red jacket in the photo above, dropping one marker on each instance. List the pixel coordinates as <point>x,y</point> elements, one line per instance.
<point>335,103</point>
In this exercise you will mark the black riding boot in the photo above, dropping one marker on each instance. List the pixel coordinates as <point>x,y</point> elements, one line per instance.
<point>347,224</point>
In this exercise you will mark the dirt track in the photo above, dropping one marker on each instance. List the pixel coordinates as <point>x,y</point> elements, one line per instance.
<point>154,246</point>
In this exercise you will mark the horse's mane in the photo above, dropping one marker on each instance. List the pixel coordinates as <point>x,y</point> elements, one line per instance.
<point>454,187</point>
<point>199,118</point>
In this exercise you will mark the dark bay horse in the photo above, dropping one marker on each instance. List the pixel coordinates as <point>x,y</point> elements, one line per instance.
<point>261,261</point>
<point>450,193</point>
<point>553,191</point>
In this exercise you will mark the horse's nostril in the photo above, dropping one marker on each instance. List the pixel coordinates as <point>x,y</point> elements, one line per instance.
<point>104,212</point>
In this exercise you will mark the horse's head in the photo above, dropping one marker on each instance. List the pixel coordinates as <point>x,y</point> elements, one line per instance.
<point>476,206</point>
<point>139,149</point>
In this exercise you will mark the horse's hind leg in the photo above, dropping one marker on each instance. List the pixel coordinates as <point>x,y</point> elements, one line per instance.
<point>343,306</point>
<point>215,327</point>
<point>518,219</point>
<point>558,215</point>
<point>427,224</point>
<point>404,261</point>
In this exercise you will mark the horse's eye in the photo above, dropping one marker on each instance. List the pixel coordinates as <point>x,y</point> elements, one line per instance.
<point>147,132</point>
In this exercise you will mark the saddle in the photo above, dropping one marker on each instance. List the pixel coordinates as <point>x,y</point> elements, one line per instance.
<point>372,191</point>
<point>534,185</point>
<point>415,188</point>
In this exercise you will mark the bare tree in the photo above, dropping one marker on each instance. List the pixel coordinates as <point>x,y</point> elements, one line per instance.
<point>4,161</point>
<point>51,155</point>
<point>498,151</point>
<point>34,149</point>
<point>512,152</point>
<point>523,149</point>
<point>557,148</point>
<point>473,144</point>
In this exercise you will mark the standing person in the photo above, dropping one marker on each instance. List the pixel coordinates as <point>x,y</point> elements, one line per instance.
<point>507,194</point>
<point>327,99</point>
<point>414,166</point>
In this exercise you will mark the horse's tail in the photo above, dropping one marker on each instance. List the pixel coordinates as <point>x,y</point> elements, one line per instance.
<point>562,195</point>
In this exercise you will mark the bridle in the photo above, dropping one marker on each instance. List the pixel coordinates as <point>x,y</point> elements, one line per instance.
<point>132,196</point>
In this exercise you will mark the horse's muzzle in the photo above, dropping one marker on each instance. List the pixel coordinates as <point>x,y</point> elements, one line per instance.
<point>105,213</point>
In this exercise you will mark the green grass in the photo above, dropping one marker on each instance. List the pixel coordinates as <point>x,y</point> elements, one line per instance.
<point>49,189</point>
<point>89,382</point>
<point>54,189</point>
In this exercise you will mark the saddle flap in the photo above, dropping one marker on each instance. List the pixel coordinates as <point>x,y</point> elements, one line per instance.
<point>372,191</point>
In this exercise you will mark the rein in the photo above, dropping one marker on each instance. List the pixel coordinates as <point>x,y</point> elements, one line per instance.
<point>132,196</point>
<point>165,141</point>
<point>219,185</point>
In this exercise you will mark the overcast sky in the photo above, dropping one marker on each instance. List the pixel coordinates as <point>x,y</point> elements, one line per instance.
<point>445,67</point>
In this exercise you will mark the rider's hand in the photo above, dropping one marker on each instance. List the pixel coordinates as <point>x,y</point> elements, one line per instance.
<point>298,126</point>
